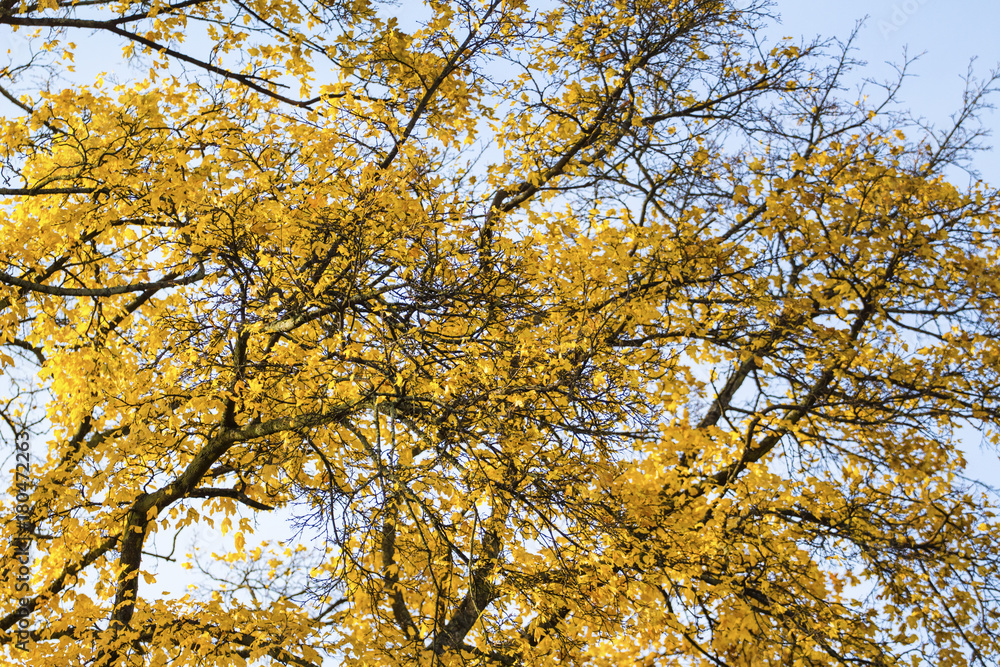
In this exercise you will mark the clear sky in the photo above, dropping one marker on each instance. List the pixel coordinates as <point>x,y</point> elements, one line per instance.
<point>947,34</point>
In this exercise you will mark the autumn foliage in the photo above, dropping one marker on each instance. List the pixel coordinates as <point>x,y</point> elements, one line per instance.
<point>591,332</point>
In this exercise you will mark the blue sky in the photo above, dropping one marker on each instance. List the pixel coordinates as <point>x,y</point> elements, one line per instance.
<point>947,34</point>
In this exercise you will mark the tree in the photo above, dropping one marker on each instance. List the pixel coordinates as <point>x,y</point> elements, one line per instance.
<point>591,333</point>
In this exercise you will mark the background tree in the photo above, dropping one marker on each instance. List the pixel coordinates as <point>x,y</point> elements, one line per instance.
<point>589,333</point>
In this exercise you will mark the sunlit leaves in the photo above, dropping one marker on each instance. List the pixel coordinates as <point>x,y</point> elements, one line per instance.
<point>557,331</point>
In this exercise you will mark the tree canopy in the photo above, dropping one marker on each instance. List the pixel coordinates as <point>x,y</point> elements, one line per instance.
<point>584,332</point>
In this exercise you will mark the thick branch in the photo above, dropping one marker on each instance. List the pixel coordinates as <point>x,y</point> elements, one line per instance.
<point>229,493</point>
<point>169,280</point>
